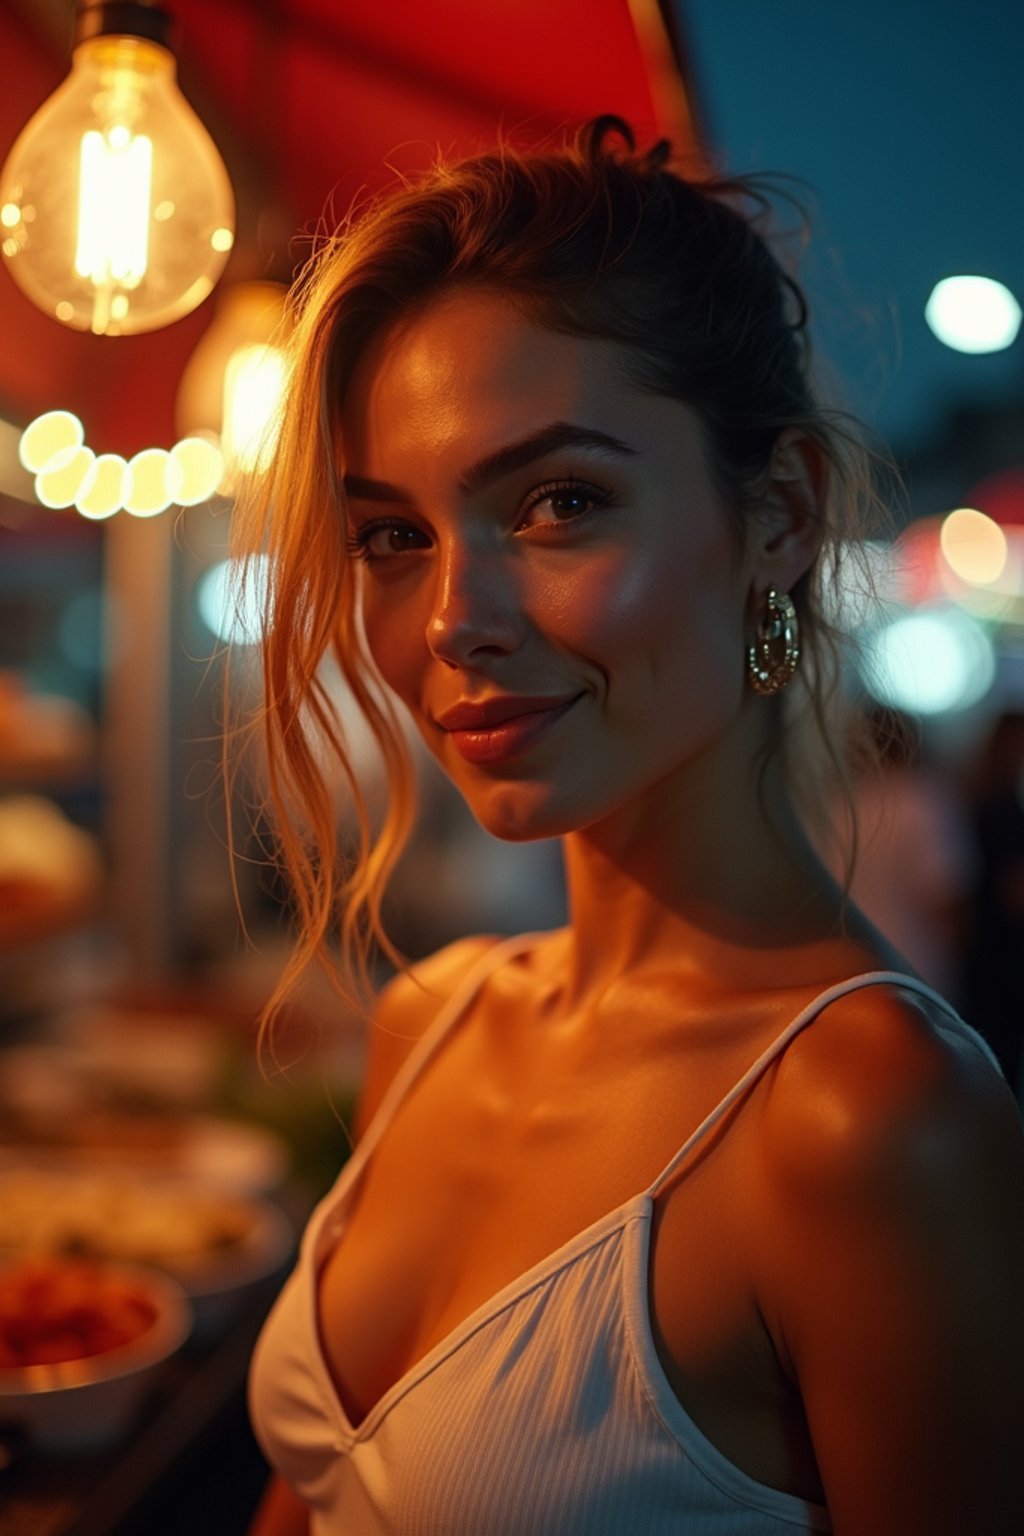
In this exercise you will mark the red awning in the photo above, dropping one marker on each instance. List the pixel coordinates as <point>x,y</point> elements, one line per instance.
<point>313,103</point>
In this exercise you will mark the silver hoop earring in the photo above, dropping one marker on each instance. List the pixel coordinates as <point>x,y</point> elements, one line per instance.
<point>769,672</point>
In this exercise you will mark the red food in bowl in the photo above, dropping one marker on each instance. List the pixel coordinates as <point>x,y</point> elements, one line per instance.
<point>51,1312</point>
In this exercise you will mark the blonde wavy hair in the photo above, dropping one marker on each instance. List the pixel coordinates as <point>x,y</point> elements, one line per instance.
<point>591,239</point>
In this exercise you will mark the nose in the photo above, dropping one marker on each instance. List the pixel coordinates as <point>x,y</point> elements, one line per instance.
<point>476,612</point>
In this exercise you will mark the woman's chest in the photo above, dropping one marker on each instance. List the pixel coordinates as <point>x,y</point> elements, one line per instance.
<point>474,1187</point>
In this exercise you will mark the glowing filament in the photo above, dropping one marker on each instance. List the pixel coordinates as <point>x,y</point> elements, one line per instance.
<point>115,178</point>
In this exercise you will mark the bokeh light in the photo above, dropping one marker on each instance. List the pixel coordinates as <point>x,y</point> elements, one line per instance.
<point>973,314</point>
<point>931,662</point>
<point>200,466</point>
<point>974,546</point>
<point>148,489</point>
<point>917,563</point>
<point>60,482</point>
<point>231,610</point>
<point>52,435</point>
<point>53,448</point>
<point>254,388</point>
<point>103,490</point>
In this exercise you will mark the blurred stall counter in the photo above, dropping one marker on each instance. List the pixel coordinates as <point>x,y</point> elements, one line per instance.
<point>141,1486</point>
<point>214,1243</point>
<point>51,874</point>
<point>157,1086</point>
<point>43,740</point>
<point>144,1130</point>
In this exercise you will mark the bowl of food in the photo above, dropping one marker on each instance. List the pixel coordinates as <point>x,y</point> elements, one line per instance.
<point>81,1343</point>
<point>219,1280</point>
<point>216,1243</point>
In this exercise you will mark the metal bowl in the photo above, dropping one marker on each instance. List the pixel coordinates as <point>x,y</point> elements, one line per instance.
<point>81,1403</point>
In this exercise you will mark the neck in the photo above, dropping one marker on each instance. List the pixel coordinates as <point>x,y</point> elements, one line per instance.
<point>731,892</point>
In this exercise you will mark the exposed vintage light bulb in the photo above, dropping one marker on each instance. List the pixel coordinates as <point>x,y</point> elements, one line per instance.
<point>234,383</point>
<point>116,212</point>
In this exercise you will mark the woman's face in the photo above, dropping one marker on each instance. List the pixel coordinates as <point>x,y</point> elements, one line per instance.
<point>550,583</point>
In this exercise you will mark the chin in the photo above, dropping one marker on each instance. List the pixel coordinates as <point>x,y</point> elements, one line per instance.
<point>515,813</point>
<point>526,812</point>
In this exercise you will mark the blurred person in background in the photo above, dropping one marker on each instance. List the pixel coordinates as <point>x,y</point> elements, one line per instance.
<point>699,1212</point>
<point>993,976</point>
<point>914,864</point>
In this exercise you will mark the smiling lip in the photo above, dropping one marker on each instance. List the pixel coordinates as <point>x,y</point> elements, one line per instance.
<point>498,728</point>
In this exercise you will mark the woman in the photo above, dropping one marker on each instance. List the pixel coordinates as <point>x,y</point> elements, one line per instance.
<point>689,1216</point>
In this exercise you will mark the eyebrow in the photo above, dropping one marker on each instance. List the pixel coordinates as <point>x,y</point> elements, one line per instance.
<point>503,461</point>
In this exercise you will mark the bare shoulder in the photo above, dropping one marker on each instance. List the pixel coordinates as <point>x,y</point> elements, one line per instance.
<point>890,1265</point>
<point>882,1085</point>
<point>406,1008</point>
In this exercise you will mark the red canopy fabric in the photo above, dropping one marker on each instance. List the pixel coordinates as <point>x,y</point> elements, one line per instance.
<point>313,103</point>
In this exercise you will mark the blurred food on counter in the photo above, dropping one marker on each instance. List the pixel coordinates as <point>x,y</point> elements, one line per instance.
<point>54,1311</point>
<point>80,1343</point>
<point>173,1086</point>
<point>214,1242</point>
<point>41,735</point>
<point>158,1138</point>
<point>127,1150</point>
<point>50,870</point>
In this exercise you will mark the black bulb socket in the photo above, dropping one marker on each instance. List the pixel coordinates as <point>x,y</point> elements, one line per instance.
<point>123,18</point>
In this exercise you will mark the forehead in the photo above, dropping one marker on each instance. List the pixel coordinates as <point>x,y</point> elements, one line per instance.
<point>470,371</point>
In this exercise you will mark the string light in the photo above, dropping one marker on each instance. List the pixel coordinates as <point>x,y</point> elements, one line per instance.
<point>68,473</point>
<point>49,440</point>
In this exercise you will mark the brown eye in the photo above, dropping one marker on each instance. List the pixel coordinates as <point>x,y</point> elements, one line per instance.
<point>396,541</point>
<point>378,541</point>
<point>564,502</point>
<point>569,503</point>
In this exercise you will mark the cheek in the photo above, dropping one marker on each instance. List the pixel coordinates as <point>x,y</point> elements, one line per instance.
<point>667,624</point>
<point>395,634</point>
<point>594,593</point>
<point>623,605</point>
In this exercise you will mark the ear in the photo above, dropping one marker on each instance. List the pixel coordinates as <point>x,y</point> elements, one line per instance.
<point>787,533</point>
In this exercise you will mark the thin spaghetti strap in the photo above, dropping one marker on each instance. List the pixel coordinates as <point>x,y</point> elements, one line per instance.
<point>433,1038</point>
<point>806,1016</point>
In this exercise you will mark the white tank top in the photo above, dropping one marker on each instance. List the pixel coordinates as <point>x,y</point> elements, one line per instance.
<point>547,1412</point>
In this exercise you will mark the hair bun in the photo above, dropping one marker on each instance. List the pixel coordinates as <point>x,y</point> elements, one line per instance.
<point>593,141</point>
<point>658,156</point>
<point>594,135</point>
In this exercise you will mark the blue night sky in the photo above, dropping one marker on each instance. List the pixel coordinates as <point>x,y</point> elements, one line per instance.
<point>906,119</point>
